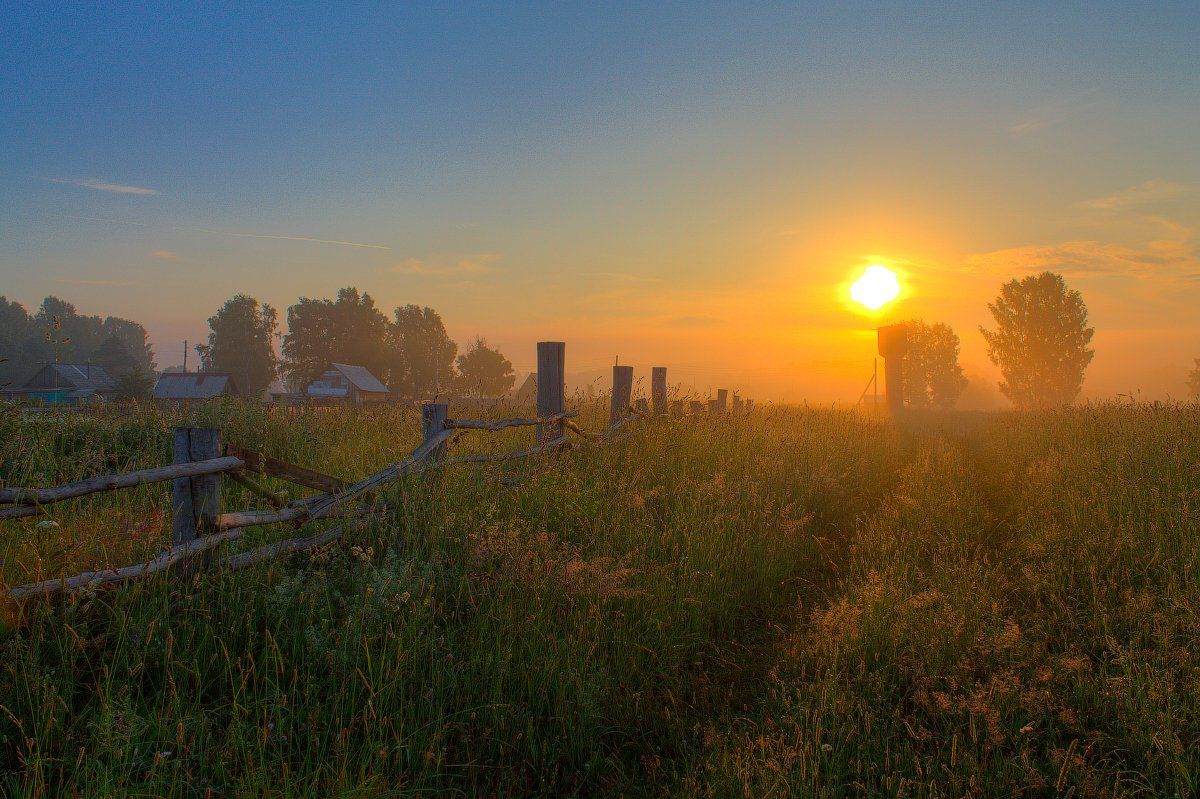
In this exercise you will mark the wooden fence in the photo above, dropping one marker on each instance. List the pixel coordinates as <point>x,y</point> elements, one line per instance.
<point>202,461</point>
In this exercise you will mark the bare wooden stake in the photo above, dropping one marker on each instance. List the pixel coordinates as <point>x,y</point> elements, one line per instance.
<point>196,499</point>
<point>433,421</point>
<point>722,400</point>
<point>622,389</point>
<point>551,388</point>
<point>677,408</point>
<point>658,389</point>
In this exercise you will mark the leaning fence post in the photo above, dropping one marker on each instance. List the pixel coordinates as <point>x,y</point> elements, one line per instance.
<point>658,390</point>
<point>433,421</point>
<point>551,388</point>
<point>196,501</point>
<point>622,388</point>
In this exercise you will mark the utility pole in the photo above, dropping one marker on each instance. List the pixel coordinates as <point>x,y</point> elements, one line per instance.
<point>185,355</point>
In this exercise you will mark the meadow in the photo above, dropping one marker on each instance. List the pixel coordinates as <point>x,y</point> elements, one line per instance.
<point>795,602</point>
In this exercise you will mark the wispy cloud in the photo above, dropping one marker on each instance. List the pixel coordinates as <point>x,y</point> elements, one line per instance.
<point>443,267</point>
<point>1051,114</point>
<point>70,281</point>
<point>279,237</point>
<point>626,277</point>
<point>1152,191</point>
<point>165,255</point>
<point>103,185</point>
<point>1171,256</point>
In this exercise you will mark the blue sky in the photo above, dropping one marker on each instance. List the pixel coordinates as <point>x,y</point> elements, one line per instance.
<point>692,176</point>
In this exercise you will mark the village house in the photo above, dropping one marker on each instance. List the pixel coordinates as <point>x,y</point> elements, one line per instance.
<point>344,383</point>
<point>67,384</point>
<point>194,386</point>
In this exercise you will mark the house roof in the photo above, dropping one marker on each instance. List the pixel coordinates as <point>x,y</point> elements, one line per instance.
<point>85,377</point>
<point>193,385</point>
<point>360,377</point>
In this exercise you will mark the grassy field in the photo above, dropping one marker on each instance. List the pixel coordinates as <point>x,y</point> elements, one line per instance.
<point>800,602</point>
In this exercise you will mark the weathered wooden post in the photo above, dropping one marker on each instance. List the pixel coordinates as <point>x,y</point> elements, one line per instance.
<point>749,405</point>
<point>697,407</point>
<point>713,407</point>
<point>642,406</point>
<point>433,421</point>
<point>893,345</point>
<point>722,400</point>
<point>737,403</point>
<point>622,388</point>
<point>677,408</point>
<point>551,388</point>
<point>196,501</point>
<point>658,389</point>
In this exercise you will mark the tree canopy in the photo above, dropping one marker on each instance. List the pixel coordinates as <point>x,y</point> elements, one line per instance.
<point>1040,341</point>
<point>420,352</point>
<point>348,329</point>
<point>932,375</point>
<point>483,371</point>
<point>241,342</point>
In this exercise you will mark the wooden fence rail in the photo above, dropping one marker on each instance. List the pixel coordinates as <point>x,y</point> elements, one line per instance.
<point>199,527</point>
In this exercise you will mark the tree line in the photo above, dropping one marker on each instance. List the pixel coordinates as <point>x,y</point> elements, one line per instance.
<point>410,351</point>
<point>1040,341</point>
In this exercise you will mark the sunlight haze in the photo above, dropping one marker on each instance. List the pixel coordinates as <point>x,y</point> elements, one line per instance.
<point>693,186</point>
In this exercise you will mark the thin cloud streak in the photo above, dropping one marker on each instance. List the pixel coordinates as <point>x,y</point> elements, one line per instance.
<point>1152,191</point>
<point>103,185</point>
<point>311,239</point>
<point>68,281</point>
<point>465,265</point>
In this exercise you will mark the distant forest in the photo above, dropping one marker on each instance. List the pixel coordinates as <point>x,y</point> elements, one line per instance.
<point>57,332</point>
<point>410,350</point>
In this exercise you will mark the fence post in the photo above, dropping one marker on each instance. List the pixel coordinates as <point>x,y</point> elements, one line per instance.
<point>622,388</point>
<point>677,408</point>
<point>196,501</point>
<point>737,403</point>
<point>433,421</point>
<point>642,405</point>
<point>749,405</point>
<point>722,400</point>
<point>697,407</point>
<point>713,407</point>
<point>551,387</point>
<point>658,390</point>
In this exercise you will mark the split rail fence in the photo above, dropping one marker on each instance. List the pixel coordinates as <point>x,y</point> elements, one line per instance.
<point>202,462</point>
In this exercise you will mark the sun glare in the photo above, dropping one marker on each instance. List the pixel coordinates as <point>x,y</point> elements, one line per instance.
<point>876,288</point>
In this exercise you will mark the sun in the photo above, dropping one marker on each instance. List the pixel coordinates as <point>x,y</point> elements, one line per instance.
<point>876,288</point>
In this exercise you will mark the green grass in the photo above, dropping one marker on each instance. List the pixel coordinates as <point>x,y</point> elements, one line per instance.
<point>802,602</point>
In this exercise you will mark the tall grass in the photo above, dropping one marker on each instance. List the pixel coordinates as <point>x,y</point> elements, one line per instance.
<point>800,602</point>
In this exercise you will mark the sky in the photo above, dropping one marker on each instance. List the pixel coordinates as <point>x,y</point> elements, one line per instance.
<point>686,185</point>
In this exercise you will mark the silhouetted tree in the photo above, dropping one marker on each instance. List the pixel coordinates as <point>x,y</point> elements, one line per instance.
<point>1194,381</point>
<point>114,357</point>
<point>483,371</point>
<point>932,376</point>
<point>15,327</point>
<point>1041,341</point>
<point>241,341</point>
<point>421,354</point>
<point>349,330</point>
<point>136,384</point>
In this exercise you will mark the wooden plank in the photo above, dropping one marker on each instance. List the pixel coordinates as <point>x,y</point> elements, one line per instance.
<point>551,387</point>
<point>110,482</point>
<point>264,464</point>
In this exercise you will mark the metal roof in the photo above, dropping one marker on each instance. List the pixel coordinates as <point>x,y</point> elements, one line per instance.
<point>86,377</point>
<point>360,377</point>
<point>193,385</point>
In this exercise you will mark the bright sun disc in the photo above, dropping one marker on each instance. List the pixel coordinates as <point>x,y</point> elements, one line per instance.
<point>876,288</point>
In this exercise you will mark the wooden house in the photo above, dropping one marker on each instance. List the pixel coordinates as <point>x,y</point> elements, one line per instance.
<point>67,384</point>
<point>194,386</point>
<point>344,383</point>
